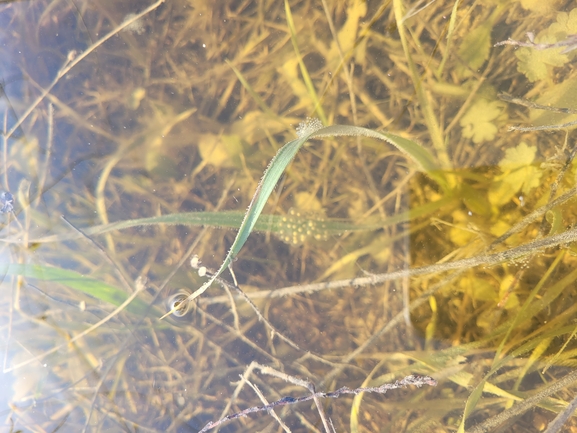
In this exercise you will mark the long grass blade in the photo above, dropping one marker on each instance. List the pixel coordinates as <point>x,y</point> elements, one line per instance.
<point>266,223</point>
<point>76,281</point>
<point>277,166</point>
<point>424,102</point>
<point>250,90</point>
<point>452,26</point>
<point>275,224</point>
<point>305,73</point>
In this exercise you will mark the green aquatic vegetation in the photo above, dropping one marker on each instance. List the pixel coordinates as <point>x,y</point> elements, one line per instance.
<point>518,174</point>
<point>480,121</point>
<point>286,227</point>
<point>310,129</point>
<point>537,62</point>
<point>452,257</point>
<point>476,45</point>
<point>74,280</point>
<point>290,71</point>
<point>424,98</point>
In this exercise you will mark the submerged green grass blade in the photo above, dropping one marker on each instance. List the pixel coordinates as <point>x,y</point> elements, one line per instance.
<point>250,90</point>
<point>264,189</point>
<point>304,72</point>
<point>275,224</point>
<point>76,281</point>
<point>421,156</point>
<point>448,50</point>
<point>266,223</point>
<point>310,129</point>
<point>424,99</point>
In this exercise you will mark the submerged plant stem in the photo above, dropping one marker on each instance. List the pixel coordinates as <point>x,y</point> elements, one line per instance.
<point>479,260</point>
<point>417,381</point>
<point>524,406</point>
<point>283,158</point>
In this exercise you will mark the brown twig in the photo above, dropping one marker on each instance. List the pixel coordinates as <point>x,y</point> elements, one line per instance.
<point>570,42</point>
<point>409,380</point>
<point>557,423</point>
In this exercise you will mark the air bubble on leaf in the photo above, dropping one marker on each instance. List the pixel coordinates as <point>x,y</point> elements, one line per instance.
<point>310,125</point>
<point>179,301</point>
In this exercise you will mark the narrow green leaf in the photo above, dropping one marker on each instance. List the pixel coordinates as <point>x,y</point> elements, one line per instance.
<point>424,98</point>
<point>305,73</point>
<point>250,90</point>
<point>274,224</point>
<point>471,404</point>
<point>76,281</point>
<point>266,223</point>
<point>448,50</point>
<point>310,129</point>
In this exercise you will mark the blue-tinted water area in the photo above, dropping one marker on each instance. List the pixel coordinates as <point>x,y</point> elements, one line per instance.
<point>370,294</point>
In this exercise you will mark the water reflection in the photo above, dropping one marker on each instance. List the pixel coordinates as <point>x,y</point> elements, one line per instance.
<point>6,202</point>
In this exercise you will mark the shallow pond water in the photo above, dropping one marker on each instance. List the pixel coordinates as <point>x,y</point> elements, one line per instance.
<point>432,268</point>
